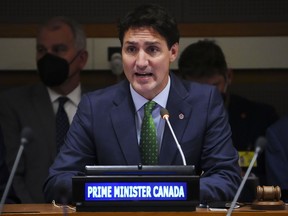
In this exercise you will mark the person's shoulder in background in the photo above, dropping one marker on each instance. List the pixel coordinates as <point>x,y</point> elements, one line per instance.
<point>281,124</point>
<point>22,91</point>
<point>265,114</point>
<point>277,156</point>
<point>249,120</point>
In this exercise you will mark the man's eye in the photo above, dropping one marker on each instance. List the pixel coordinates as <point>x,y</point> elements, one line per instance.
<point>153,50</point>
<point>40,50</point>
<point>59,49</point>
<point>130,49</point>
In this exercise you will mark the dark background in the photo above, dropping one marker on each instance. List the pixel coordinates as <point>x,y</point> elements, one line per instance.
<point>196,18</point>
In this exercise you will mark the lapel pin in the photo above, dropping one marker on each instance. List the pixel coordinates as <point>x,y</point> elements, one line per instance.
<point>181,116</point>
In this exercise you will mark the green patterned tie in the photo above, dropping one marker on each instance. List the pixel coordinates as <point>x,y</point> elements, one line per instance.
<point>148,138</point>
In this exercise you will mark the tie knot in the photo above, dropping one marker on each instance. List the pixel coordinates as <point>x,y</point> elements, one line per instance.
<point>62,100</point>
<point>149,106</point>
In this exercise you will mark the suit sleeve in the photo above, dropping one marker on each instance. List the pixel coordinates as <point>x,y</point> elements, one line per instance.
<point>276,155</point>
<point>77,151</point>
<point>219,161</point>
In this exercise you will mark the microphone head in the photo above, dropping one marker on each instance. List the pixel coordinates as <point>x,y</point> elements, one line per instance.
<point>26,135</point>
<point>260,144</point>
<point>164,113</point>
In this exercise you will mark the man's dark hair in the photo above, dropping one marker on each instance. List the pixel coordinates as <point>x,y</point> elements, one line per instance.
<point>202,59</point>
<point>154,16</point>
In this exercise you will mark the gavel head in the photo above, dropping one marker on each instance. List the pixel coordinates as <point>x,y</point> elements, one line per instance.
<point>268,193</point>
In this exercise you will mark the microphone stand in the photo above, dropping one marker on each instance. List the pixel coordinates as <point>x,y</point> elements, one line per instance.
<point>177,143</point>
<point>9,182</point>
<point>258,149</point>
<point>165,115</point>
<point>26,136</point>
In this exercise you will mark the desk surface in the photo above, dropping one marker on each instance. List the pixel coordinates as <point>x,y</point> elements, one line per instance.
<point>50,209</point>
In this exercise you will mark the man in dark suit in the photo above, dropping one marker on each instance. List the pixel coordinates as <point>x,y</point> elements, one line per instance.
<point>277,156</point>
<point>204,62</point>
<point>106,129</point>
<point>61,55</point>
<point>4,175</point>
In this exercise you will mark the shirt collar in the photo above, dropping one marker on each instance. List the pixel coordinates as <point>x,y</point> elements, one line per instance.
<point>73,96</point>
<point>160,99</point>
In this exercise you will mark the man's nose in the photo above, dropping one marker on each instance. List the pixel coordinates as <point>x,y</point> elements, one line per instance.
<point>142,59</point>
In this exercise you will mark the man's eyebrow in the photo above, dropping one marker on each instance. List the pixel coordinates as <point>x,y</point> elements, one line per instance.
<point>151,43</point>
<point>146,43</point>
<point>60,44</point>
<point>130,42</point>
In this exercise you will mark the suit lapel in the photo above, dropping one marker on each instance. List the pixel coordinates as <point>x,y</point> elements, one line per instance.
<point>179,111</point>
<point>45,115</point>
<point>123,119</point>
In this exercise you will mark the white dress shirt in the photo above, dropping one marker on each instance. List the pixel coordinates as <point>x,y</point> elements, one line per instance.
<point>139,102</point>
<point>71,105</point>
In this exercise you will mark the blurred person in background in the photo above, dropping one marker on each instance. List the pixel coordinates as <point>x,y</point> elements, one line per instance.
<point>47,107</point>
<point>204,62</point>
<point>277,156</point>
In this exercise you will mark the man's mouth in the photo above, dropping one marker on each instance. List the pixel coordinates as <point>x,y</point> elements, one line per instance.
<point>143,74</point>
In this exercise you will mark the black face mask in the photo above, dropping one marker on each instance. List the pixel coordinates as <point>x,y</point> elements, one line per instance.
<point>53,70</point>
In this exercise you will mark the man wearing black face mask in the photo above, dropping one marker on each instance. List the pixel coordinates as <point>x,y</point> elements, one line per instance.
<point>54,70</point>
<point>61,55</point>
<point>205,62</point>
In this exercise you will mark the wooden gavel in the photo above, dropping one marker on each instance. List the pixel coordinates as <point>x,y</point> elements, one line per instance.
<point>268,198</point>
<point>268,193</point>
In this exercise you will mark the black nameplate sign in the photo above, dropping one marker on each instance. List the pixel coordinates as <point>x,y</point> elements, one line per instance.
<point>145,191</point>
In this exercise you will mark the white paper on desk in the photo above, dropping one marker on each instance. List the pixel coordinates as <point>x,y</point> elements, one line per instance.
<point>218,209</point>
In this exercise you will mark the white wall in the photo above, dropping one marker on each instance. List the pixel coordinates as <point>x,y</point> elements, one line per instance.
<point>240,52</point>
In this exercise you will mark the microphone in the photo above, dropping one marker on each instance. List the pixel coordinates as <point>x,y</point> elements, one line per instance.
<point>26,137</point>
<point>165,115</point>
<point>259,146</point>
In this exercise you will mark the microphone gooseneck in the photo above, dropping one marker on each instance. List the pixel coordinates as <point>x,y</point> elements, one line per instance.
<point>165,115</point>
<point>259,146</point>
<point>26,137</point>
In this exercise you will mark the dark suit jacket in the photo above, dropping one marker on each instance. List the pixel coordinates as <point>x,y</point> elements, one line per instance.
<point>249,120</point>
<point>4,175</point>
<point>277,155</point>
<point>104,132</point>
<point>29,106</point>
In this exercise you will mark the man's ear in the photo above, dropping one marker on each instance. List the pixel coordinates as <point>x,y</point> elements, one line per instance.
<point>229,76</point>
<point>174,52</point>
<point>83,57</point>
